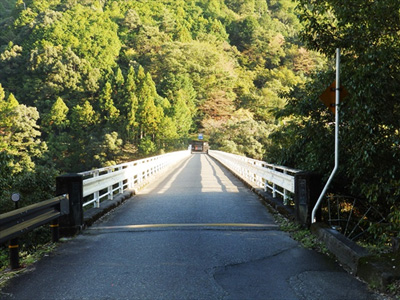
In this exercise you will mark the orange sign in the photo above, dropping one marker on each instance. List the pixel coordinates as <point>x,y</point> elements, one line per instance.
<point>328,97</point>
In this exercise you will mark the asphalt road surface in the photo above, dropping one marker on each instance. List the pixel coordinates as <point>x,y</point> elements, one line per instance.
<point>195,233</point>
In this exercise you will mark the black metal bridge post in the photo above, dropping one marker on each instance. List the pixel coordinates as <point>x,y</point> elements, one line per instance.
<point>307,190</point>
<point>13,249</point>
<point>71,184</point>
<point>55,230</point>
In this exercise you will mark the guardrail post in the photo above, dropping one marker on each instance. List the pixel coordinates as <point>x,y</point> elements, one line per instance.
<point>13,249</point>
<point>307,190</point>
<point>71,184</point>
<point>55,230</point>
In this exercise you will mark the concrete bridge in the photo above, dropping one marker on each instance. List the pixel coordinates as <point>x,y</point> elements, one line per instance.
<point>194,232</point>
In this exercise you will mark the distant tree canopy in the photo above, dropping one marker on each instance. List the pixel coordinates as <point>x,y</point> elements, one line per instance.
<point>155,71</point>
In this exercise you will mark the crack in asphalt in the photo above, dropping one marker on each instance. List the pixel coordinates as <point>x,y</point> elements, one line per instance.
<point>219,270</point>
<point>279,252</point>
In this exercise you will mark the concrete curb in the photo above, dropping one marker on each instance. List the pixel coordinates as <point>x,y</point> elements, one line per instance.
<point>346,251</point>
<point>380,271</point>
<point>377,271</point>
<point>93,214</point>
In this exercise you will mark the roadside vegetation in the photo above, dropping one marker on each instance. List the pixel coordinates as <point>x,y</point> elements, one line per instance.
<point>300,233</point>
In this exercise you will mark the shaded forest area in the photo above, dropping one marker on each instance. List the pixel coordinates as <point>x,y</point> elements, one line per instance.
<point>90,83</point>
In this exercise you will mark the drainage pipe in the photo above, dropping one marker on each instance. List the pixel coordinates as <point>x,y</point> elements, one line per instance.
<point>337,96</point>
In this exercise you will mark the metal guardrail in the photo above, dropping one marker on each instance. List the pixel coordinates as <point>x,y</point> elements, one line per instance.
<point>276,179</point>
<point>25,219</point>
<point>105,182</point>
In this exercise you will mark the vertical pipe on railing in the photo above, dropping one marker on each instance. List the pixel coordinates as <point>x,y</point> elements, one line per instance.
<point>273,185</point>
<point>130,177</point>
<point>96,195</point>
<point>285,197</point>
<point>110,193</point>
<point>337,96</point>
<point>121,183</point>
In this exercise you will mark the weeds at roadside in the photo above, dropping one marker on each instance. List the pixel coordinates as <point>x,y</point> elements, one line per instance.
<point>393,290</point>
<point>26,260</point>
<point>300,234</point>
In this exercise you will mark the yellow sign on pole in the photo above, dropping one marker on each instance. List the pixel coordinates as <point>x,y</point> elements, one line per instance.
<point>328,97</point>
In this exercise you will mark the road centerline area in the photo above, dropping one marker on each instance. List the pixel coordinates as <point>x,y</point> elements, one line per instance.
<point>185,226</point>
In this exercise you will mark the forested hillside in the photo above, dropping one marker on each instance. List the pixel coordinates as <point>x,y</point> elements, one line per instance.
<point>85,84</point>
<point>112,79</point>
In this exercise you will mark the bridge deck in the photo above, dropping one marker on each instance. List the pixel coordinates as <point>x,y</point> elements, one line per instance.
<point>195,233</point>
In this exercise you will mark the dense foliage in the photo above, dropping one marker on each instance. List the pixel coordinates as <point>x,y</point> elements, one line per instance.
<point>122,71</point>
<point>368,34</point>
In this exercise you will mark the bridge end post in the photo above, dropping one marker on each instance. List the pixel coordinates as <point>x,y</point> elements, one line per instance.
<point>307,190</point>
<point>71,184</point>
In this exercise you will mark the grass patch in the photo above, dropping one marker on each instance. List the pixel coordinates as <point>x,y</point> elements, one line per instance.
<point>300,234</point>
<point>25,259</point>
<point>393,290</point>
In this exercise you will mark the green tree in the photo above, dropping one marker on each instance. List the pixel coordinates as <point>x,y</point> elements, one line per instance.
<point>7,115</point>
<point>167,136</point>
<point>83,117</point>
<point>109,112</point>
<point>182,115</point>
<point>149,115</point>
<point>242,32</point>
<point>56,126</point>
<point>20,135</point>
<point>147,146</point>
<point>369,123</point>
<point>109,150</point>
<point>94,37</point>
<point>129,105</point>
<point>242,135</point>
<point>56,120</point>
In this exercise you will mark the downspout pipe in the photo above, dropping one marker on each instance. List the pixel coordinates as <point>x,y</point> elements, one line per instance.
<point>337,98</point>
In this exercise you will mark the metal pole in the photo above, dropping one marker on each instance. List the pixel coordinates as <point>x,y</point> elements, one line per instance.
<point>13,247</point>
<point>55,230</point>
<point>337,96</point>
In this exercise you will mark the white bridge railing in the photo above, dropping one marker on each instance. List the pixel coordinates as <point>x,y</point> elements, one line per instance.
<point>108,181</point>
<point>276,179</point>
